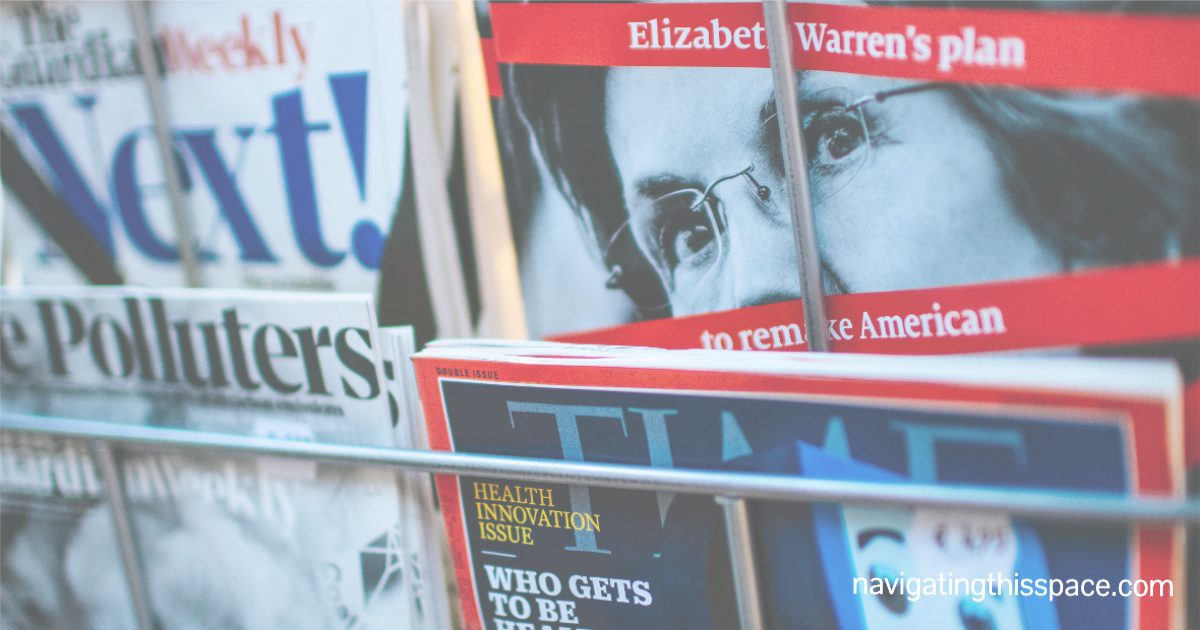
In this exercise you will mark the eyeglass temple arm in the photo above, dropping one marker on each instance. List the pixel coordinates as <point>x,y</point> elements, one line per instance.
<point>764,193</point>
<point>719,180</point>
<point>900,91</point>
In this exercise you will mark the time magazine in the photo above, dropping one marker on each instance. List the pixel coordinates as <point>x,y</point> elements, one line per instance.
<point>575,556</point>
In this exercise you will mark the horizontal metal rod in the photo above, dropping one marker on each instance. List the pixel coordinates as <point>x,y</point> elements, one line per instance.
<point>1067,506</point>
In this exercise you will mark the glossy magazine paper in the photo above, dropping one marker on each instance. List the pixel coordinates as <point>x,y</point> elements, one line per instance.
<point>572,556</point>
<point>251,542</point>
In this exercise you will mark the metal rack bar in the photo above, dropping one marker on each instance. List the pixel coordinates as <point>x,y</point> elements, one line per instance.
<point>804,227</point>
<point>1042,505</point>
<point>795,168</point>
<point>123,530</point>
<point>139,11</point>
<point>741,559</point>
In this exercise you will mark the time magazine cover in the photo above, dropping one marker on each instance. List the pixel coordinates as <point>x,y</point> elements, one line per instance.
<point>568,556</point>
<point>248,542</point>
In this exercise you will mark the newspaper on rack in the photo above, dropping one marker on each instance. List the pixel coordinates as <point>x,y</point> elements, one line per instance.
<point>644,169</point>
<point>289,126</point>
<point>247,542</point>
<point>427,579</point>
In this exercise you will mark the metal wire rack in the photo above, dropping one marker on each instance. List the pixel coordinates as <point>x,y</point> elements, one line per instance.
<point>731,490</point>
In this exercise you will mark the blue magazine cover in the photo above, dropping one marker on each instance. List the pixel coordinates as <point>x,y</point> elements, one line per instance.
<point>556,556</point>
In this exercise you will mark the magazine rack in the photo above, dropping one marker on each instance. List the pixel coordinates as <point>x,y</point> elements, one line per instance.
<point>730,490</point>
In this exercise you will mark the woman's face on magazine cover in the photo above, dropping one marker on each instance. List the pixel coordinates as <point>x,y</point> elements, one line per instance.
<point>698,127</point>
<point>907,192</point>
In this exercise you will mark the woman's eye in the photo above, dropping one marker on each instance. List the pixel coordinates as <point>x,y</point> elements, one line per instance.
<point>834,136</point>
<point>683,229</point>
<point>690,236</point>
<point>841,141</point>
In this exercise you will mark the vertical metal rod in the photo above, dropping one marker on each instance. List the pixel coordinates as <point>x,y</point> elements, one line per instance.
<point>139,11</point>
<point>741,559</point>
<point>795,166</point>
<point>123,529</point>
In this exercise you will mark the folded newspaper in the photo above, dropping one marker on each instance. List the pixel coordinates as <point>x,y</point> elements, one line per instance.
<point>427,581</point>
<point>289,125</point>
<point>253,94</point>
<point>539,555</point>
<point>224,542</point>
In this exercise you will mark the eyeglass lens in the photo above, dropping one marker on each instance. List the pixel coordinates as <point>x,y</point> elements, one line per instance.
<point>682,234</point>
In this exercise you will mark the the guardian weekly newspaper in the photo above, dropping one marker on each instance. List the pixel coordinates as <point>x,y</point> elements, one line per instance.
<point>539,555</point>
<point>248,542</point>
<point>289,128</point>
<point>287,125</point>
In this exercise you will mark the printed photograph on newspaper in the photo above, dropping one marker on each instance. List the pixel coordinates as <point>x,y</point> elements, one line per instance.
<point>251,542</point>
<point>988,170</point>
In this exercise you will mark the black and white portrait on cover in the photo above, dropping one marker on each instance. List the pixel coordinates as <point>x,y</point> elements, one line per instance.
<point>672,179</point>
<point>204,565</point>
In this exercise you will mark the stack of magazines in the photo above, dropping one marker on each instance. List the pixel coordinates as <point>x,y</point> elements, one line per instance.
<point>564,230</point>
<point>247,542</point>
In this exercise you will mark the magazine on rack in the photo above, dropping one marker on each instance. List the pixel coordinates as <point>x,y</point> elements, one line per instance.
<point>57,538</point>
<point>306,150</point>
<point>252,95</point>
<point>984,176</point>
<point>426,578</point>
<point>534,555</point>
<point>262,542</point>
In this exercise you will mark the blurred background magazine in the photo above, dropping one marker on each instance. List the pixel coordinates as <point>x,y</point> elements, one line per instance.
<point>249,542</point>
<point>423,531</point>
<point>294,81</point>
<point>317,148</point>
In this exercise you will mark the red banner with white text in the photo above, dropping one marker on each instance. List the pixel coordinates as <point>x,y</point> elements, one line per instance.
<point>1135,304</point>
<point>1044,49</point>
<point>1130,305</point>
